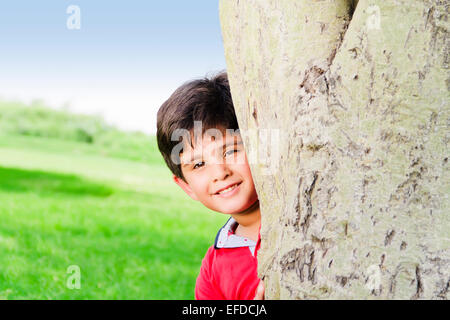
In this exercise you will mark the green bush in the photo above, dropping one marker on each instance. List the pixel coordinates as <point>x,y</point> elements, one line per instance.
<point>37,120</point>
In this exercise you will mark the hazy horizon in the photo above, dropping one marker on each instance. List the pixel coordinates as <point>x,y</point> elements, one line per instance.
<point>123,63</point>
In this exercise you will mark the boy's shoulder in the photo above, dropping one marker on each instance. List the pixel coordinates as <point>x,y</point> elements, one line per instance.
<point>229,268</point>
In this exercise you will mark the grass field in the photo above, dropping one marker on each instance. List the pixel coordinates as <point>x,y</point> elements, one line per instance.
<point>133,233</point>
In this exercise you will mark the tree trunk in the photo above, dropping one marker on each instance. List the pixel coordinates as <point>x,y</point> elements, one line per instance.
<point>349,100</point>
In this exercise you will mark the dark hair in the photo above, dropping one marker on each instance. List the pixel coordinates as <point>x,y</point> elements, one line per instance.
<point>207,100</point>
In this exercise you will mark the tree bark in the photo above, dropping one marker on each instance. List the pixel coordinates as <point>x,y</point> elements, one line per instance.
<point>355,191</point>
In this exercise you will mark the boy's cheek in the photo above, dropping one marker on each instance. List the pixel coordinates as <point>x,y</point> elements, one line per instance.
<point>237,160</point>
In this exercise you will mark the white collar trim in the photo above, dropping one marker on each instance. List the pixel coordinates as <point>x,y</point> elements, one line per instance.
<point>226,240</point>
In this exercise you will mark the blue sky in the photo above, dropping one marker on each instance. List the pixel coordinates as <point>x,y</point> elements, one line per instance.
<point>124,61</point>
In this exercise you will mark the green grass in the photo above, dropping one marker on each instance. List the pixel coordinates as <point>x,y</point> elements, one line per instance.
<point>131,230</point>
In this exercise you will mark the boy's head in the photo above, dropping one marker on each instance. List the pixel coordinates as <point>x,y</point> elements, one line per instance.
<point>198,136</point>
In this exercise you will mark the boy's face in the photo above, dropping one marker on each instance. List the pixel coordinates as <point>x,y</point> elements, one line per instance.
<point>214,164</point>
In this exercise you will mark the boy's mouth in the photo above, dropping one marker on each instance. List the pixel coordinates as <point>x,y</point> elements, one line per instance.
<point>228,188</point>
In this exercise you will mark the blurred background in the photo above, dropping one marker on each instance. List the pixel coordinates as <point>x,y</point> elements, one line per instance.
<point>81,178</point>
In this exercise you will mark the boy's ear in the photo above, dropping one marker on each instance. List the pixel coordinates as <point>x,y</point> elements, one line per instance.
<point>185,186</point>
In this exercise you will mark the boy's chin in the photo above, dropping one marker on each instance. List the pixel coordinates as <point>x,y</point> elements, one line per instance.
<point>249,208</point>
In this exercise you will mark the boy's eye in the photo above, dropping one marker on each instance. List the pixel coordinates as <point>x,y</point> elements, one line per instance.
<point>231,151</point>
<point>198,164</point>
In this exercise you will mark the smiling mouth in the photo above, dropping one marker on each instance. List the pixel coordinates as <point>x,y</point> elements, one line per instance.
<point>228,189</point>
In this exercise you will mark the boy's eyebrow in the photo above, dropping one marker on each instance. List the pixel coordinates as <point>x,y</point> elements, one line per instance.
<point>222,147</point>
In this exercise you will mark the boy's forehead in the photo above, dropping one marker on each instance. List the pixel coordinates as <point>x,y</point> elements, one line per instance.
<point>210,141</point>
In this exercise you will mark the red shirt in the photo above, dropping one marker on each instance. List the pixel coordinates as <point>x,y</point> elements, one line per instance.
<point>229,268</point>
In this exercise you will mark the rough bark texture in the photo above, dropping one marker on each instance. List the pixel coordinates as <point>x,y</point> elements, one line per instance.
<point>358,206</point>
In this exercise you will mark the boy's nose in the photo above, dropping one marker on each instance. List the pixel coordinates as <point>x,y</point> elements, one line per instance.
<point>220,171</point>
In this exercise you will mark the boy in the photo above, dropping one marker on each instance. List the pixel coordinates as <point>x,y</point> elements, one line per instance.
<point>211,166</point>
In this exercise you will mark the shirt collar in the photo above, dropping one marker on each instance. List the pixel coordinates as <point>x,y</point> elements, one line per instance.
<point>226,238</point>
